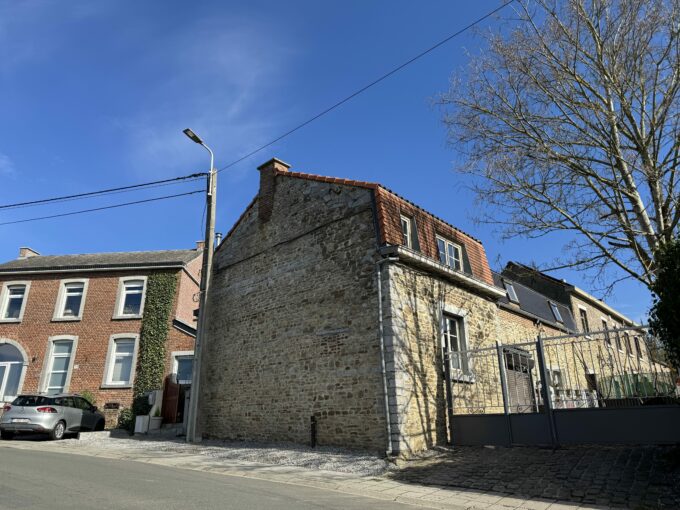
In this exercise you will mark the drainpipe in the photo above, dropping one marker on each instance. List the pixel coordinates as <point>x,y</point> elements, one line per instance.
<point>378,266</point>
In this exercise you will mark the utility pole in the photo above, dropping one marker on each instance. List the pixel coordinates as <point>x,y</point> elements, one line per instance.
<point>193,434</point>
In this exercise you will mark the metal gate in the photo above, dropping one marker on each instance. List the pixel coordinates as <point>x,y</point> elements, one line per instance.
<point>599,387</point>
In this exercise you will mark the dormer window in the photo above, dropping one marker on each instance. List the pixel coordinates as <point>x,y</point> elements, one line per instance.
<point>407,231</point>
<point>556,312</point>
<point>449,253</point>
<point>510,289</point>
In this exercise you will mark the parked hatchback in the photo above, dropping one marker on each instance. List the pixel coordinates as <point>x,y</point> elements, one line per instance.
<point>55,415</point>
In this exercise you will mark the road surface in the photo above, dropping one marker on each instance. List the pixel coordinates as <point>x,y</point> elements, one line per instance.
<point>35,479</point>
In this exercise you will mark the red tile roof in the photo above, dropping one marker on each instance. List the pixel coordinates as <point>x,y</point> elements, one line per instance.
<point>389,207</point>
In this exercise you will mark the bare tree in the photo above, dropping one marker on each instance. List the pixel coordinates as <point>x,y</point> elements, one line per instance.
<point>571,117</point>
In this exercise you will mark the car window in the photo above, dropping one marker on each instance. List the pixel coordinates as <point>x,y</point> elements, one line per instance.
<point>32,401</point>
<point>81,403</point>
<point>64,401</point>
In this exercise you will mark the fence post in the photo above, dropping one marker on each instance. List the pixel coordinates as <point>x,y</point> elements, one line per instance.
<point>545,384</point>
<point>504,388</point>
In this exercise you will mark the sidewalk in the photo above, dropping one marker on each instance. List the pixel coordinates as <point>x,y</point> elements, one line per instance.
<point>387,486</point>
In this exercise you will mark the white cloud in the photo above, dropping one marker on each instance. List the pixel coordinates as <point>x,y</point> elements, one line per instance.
<point>7,168</point>
<point>218,78</point>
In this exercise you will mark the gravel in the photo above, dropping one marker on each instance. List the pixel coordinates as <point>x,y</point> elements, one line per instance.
<point>279,454</point>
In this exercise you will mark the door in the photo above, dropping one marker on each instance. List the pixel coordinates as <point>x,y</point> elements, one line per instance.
<point>72,415</point>
<point>518,367</point>
<point>88,418</point>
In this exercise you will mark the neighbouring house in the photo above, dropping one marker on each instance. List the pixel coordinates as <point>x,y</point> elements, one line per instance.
<point>72,323</point>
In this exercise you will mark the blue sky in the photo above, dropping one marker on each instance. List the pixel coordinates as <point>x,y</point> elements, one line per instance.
<point>96,94</point>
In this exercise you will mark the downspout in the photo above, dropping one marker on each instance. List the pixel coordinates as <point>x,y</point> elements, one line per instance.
<point>378,266</point>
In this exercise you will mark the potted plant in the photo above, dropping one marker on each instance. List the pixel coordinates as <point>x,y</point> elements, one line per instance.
<point>156,420</point>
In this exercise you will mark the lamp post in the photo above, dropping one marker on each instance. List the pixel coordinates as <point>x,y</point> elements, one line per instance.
<point>193,435</point>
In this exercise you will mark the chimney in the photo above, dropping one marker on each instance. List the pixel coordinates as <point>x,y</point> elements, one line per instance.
<point>265,198</point>
<point>26,253</point>
<point>200,245</point>
<point>218,239</point>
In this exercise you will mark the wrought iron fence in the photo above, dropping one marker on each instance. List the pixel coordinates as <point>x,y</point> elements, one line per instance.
<point>601,369</point>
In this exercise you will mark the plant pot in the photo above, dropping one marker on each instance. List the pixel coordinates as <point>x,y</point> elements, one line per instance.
<point>155,422</point>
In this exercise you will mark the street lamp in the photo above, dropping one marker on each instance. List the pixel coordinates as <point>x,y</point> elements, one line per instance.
<point>192,433</point>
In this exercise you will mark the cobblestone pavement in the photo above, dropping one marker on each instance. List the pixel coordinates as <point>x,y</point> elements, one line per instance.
<point>637,477</point>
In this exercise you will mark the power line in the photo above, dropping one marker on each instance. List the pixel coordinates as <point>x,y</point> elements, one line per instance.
<point>121,189</point>
<point>103,208</point>
<point>368,86</point>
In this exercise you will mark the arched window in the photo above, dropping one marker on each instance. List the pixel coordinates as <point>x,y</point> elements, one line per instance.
<point>11,370</point>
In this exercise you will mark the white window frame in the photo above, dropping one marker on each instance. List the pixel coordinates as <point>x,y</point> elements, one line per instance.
<point>4,300</point>
<point>110,361</point>
<point>512,294</point>
<point>120,298</point>
<point>556,312</point>
<point>24,367</point>
<point>49,359</point>
<point>175,363</point>
<point>580,322</point>
<point>61,300</point>
<point>608,340</point>
<point>448,243</point>
<point>409,229</point>
<point>457,374</point>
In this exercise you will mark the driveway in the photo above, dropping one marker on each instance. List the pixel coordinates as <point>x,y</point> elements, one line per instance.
<point>637,477</point>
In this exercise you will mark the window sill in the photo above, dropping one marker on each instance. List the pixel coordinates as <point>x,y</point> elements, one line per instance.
<point>125,317</point>
<point>460,377</point>
<point>67,319</point>
<point>116,386</point>
<point>10,321</point>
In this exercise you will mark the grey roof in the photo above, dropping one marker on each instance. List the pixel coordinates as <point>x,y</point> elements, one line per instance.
<point>115,260</point>
<point>534,303</point>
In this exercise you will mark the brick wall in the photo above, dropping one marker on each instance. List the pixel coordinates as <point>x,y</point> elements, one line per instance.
<point>93,332</point>
<point>293,322</point>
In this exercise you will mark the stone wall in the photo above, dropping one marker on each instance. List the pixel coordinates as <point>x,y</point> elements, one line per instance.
<point>414,302</point>
<point>293,329</point>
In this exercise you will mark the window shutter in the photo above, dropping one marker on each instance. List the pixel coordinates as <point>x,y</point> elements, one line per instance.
<point>467,269</point>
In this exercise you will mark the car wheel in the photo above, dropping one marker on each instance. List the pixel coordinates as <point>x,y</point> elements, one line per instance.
<point>58,431</point>
<point>7,435</point>
<point>99,426</point>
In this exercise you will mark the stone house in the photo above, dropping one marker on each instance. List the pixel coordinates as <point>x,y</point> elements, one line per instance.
<point>332,308</point>
<point>612,351</point>
<point>332,300</point>
<point>71,323</point>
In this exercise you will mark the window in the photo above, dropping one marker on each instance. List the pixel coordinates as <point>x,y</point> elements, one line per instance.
<point>585,327</point>
<point>556,380</point>
<point>618,339</point>
<point>449,253</point>
<point>627,344</point>
<point>454,344</point>
<point>70,300</point>
<point>605,328</point>
<point>555,311</point>
<point>121,361</point>
<point>13,301</point>
<point>131,293</point>
<point>183,366</point>
<point>59,375</point>
<point>638,348</point>
<point>510,289</point>
<point>406,231</point>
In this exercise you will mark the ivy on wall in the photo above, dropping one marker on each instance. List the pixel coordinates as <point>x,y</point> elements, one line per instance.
<point>160,293</point>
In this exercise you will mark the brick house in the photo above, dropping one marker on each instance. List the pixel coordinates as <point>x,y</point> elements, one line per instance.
<point>71,323</point>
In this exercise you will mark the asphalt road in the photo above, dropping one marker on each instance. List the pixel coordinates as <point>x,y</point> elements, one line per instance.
<point>33,479</point>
